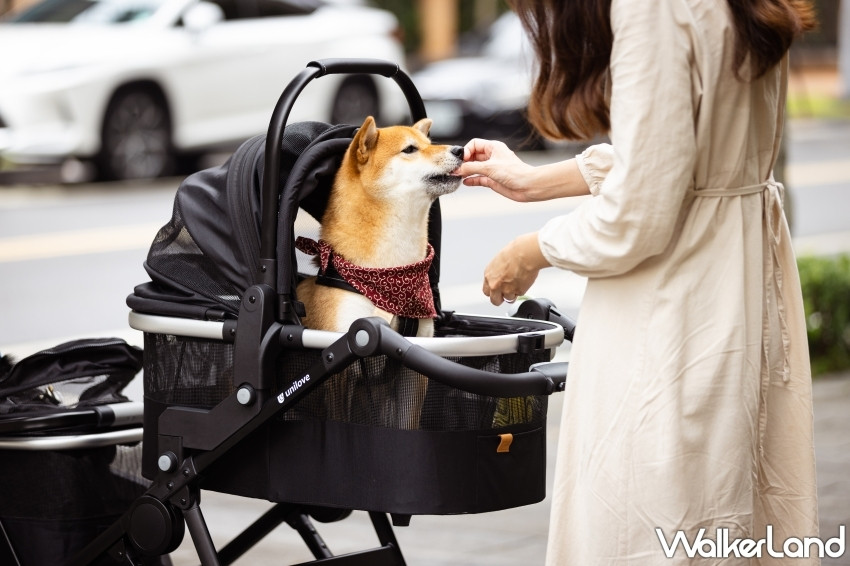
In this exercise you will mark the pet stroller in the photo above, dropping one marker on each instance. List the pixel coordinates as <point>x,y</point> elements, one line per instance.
<point>70,451</point>
<point>238,393</point>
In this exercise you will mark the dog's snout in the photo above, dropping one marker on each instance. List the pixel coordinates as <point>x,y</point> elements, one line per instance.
<point>457,151</point>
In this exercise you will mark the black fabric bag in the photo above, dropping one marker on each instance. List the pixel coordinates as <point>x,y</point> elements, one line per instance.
<point>75,374</point>
<point>54,502</point>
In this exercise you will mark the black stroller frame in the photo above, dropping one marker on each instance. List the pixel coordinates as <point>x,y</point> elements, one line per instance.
<point>190,440</point>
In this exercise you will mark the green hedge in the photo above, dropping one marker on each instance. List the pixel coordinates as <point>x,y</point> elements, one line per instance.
<point>826,296</point>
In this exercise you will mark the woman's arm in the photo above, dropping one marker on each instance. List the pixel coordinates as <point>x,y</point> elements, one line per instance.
<point>514,269</point>
<point>491,164</point>
<point>653,143</point>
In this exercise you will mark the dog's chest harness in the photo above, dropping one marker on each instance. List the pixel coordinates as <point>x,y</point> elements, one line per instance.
<point>404,291</point>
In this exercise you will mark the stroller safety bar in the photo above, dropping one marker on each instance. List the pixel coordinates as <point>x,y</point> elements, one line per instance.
<point>369,336</point>
<point>72,442</point>
<point>552,336</point>
<point>90,427</point>
<point>112,415</point>
<point>209,329</point>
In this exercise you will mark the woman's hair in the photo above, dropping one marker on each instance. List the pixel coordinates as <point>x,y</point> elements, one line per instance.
<point>572,41</point>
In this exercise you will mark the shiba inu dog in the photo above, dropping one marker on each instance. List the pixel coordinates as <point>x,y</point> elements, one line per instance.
<point>374,256</point>
<point>374,233</point>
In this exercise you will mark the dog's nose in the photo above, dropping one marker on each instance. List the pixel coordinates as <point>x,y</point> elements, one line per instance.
<point>457,151</point>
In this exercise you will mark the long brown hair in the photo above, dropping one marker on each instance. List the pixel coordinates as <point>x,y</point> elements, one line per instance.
<point>572,40</point>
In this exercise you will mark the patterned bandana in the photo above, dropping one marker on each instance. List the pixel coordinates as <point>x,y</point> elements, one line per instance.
<point>402,291</point>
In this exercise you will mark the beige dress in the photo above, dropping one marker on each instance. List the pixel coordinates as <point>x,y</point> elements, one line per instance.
<point>688,404</point>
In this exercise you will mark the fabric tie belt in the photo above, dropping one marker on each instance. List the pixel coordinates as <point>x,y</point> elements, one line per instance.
<point>736,192</point>
<point>772,194</point>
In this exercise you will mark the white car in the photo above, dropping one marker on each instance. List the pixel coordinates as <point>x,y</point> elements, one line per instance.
<point>133,86</point>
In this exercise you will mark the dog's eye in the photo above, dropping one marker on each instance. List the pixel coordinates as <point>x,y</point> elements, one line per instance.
<point>410,149</point>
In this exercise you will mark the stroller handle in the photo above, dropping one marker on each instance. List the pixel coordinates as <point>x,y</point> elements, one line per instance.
<point>342,66</point>
<point>372,335</point>
<point>280,115</point>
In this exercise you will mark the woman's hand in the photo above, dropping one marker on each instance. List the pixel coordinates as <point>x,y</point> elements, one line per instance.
<point>492,164</point>
<point>514,269</point>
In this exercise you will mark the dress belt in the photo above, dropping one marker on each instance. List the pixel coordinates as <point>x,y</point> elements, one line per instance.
<point>772,195</point>
<point>736,192</point>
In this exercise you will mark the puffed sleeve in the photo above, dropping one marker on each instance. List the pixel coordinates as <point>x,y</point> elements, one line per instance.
<point>652,153</point>
<point>594,163</point>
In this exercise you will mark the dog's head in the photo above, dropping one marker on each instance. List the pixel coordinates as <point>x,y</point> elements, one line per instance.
<point>401,161</point>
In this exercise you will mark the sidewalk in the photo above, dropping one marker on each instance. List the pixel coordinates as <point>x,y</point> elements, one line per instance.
<point>832,449</point>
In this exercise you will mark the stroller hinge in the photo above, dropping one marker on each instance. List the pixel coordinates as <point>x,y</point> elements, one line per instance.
<point>256,316</point>
<point>267,272</point>
<point>290,311</point>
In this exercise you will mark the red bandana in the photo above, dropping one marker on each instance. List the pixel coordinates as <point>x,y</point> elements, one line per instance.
<point>403,291</point>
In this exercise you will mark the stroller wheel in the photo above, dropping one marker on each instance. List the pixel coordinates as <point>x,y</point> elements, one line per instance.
<point>155,528</point>
<point>327,514</point>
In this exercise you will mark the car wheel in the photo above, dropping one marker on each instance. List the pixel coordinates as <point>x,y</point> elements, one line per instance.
<point>356,98</point>
<point>136,140</point>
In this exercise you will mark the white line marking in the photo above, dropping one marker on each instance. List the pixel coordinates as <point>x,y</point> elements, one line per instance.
<point>77,242</point>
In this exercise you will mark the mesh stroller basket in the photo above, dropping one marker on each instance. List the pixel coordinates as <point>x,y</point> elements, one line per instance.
<point>241,398</point>
<point>352,442</point>
<point>70,456</point>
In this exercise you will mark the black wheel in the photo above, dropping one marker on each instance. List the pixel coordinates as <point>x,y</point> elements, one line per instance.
<point>136,141</point>
<point>356,98</point>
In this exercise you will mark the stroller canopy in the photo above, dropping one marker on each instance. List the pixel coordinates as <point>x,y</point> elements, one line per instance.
<point>201,262</point>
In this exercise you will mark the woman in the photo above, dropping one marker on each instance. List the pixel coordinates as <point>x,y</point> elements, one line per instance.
<point>688,406</point>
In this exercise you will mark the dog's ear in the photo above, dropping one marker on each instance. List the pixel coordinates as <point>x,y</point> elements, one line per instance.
<point>424,125</point>
<point>365,140</point>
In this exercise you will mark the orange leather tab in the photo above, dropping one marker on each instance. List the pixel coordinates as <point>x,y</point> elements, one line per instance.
<point>505,444</point>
